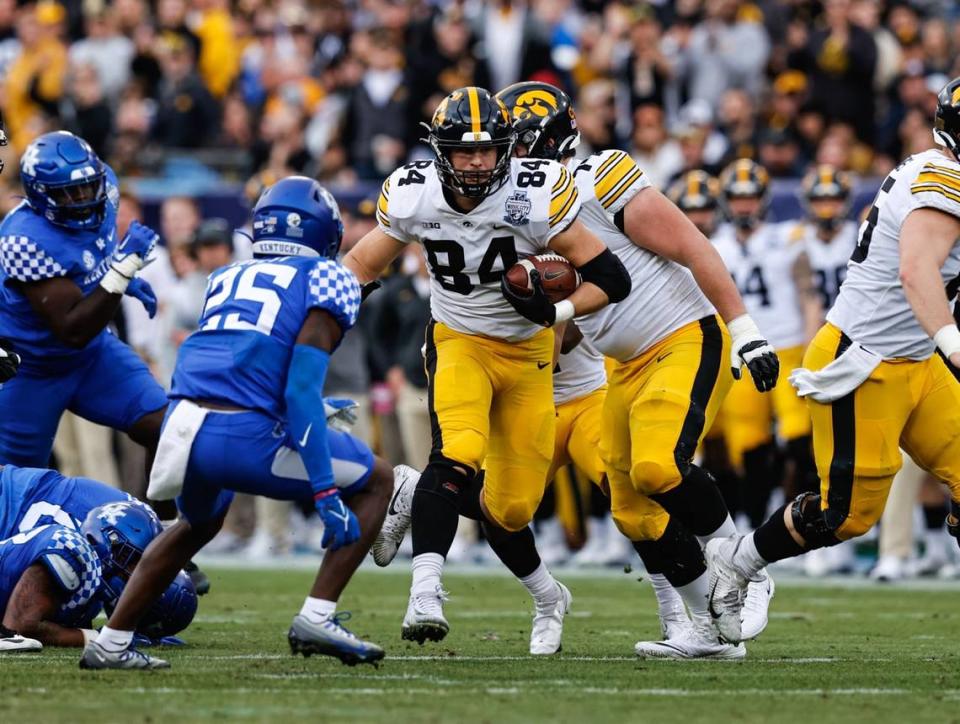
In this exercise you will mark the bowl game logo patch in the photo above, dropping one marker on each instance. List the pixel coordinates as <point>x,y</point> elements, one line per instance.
<point>518,208</point>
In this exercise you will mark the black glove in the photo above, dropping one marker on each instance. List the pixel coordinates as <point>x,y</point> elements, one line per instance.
<point>536,307</point>
<point>9,361</point>
<point>367,289</point>
<point>750,348</point>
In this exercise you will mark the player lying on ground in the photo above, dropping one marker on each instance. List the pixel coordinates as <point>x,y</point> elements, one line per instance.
<point>880,375</point>
<point>56,573</point>
<point>475,209</point>
<point>248,416</point>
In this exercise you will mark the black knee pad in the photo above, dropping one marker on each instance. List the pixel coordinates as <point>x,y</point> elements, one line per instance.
<point>676,554</point>
<point>696,502</point>
<point>444,479</point>
<point>817,527</point>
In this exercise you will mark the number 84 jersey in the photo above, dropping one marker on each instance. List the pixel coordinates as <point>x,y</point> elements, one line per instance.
<point>468,252</point>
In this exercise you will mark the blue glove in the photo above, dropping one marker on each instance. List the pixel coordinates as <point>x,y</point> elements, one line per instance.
<point>130,256</point>
<point>141,289</point>
<point>341,413</point>
<point>139,239</point>
<point>340,525</point>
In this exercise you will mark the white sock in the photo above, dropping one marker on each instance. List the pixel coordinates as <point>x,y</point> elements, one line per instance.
<point>113,640</point>
<point>746,558</point>
<point>316,610</point>
<point>696,595</point>
<point>669,602</point>
<point>727,528</point>
<point>427,568</point>
<point>541,584</point>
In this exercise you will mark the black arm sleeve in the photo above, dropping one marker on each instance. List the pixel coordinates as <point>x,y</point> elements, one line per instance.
<point>607,272</point>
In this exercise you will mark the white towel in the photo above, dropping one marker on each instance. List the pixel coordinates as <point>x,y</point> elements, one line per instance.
<point>173,451</point>
<point>839,378</point>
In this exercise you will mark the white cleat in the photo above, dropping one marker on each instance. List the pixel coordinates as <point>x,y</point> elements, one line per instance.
<point>698,640</point>
<point>889,569</point>
<point>674,623</point>
<point>424,620</point>
<point>14,643</point>
<point>728,587</point>
<point>397,521</point>
<point>756,606</point>
<point>548,623</point>
<point>97,657</point>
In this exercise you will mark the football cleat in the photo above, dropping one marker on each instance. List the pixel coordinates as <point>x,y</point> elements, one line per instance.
<point>13,643</point>
<point>728,587</point>
<point>889,569</point>
<point>97,657</point>
<point>698,640</point>
<point>548,623</point>
<point>330,638</point>
<point>756,606</point>
<point>424,620</point>
<point>397,522</point>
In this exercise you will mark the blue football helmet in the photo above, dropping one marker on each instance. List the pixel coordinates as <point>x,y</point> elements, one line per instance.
<point>119,533</point>
<point>171,613</point>
<point>296,217</point>
<point>64,180</point>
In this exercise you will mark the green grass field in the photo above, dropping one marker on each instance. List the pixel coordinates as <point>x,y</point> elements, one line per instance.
<point>830,654</point>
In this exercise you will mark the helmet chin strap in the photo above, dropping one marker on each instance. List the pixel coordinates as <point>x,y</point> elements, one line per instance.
<point>945,141</point>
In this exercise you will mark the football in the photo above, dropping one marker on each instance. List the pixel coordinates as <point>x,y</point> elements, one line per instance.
<point>559,277</point>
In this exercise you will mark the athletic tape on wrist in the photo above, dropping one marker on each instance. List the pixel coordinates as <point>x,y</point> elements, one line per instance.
<point>947,339</point>
<point>565,311</point>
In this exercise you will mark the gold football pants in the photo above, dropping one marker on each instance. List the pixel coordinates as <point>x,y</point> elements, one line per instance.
<point>491,405</point>
<point>857,439</point>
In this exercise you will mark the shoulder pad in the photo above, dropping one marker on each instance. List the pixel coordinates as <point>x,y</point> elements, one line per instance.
<point>937,185</point>
<point>23,259</point>
<point>616,179</point>
<point>401,192</point>
<point>72,562</point>
<point>333,288</point>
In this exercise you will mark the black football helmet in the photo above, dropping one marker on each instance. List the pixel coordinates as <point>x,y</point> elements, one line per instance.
<point>695,191</point>
<point>543,118</point>
<point>744,178</point>
<point>946,120</point>
<point>468,119</point>
<point>822,183</point>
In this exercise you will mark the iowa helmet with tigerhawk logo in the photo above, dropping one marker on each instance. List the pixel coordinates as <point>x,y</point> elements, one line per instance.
<point>946,120</point>
<point>543,118</point>
<point>826,183</point>
<point>468,119</point>
<point>744,178</point>
<point>697,191</point>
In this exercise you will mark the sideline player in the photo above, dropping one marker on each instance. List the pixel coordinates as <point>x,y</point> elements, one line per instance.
<point>671,372</point>
<point>248,416</point>
<point>770,267</point>
<point>878,374</point>
<point>476,209</point>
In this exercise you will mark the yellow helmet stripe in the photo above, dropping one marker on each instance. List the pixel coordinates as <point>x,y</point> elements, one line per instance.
<point>474,99</point>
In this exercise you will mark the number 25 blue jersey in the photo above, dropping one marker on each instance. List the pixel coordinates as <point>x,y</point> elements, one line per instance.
<point>251,317</point>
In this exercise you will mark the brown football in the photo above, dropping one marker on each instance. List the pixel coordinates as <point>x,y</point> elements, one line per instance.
<point>559,276</point>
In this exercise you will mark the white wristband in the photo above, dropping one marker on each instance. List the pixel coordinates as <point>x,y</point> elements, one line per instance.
<point>743,324</point>
<point>565,311</point>
<point>115,282</point>
<point>947,339</point>
<point>89,635</point>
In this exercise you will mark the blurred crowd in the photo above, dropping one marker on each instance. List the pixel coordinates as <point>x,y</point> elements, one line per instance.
<point>337,89</point>
<point>252,90</point>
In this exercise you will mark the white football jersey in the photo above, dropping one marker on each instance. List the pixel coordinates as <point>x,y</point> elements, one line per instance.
<point>829,259</point>
<point>871,307</point>
<point>468,253</point>
<point>762,269</point>
<point>578,373</point>
<point>664,296</point>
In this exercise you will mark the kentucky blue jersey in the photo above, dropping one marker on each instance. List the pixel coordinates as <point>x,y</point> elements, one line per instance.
<point>252,315</point>
<point>33,249</point>
<point>68,557</point>
<point>32,497</point>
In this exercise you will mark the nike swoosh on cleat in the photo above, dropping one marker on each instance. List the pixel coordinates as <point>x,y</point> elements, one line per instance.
<point>392,508</point>
<point>713,614</point>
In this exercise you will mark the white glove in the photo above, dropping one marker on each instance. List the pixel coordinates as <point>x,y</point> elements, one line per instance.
<point>341,413</point>
<point>750,348</point>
